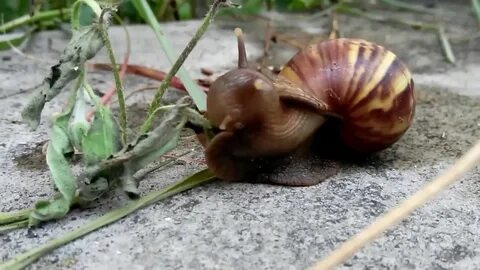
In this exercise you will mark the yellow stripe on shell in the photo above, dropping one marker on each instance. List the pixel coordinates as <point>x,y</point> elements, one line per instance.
<point>290,74</point>
<point>398,85</point>
<point>380,71</point>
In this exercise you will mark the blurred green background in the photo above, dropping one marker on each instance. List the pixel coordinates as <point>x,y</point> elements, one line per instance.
<point>165,10</point>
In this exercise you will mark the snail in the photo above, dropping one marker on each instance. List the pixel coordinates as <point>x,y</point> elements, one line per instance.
<point>258,116</point>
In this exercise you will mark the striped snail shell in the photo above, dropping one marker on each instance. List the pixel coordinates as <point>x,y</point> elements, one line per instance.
<point>364,84</point>
<point>256,116</point>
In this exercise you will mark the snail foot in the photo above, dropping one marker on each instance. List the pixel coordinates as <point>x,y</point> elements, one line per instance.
<point>299,171</point>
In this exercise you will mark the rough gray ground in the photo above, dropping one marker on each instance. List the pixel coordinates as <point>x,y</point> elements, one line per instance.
<point>245,226</point>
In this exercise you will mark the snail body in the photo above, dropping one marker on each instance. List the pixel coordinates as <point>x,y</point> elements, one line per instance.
<point>363,84</point>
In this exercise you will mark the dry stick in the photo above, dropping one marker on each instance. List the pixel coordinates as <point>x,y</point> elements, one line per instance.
<point>394,216</point>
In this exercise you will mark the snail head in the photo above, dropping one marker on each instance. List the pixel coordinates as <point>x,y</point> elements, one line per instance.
<point>240,97</point>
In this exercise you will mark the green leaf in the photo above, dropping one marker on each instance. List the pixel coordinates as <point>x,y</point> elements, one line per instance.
<point>82,12</point>
<point>85,43</point>
<point>103,137</point>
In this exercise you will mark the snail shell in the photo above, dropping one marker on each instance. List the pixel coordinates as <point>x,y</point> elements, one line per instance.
<point>364,84</point>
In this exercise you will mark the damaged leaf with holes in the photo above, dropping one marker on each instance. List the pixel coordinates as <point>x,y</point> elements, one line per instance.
<point>84,44</point>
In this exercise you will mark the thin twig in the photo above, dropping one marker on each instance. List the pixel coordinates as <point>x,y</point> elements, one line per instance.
<point>414,24</point>
<point>136,91</point>
<point>267,42</point>
<point>334,28</point>
<point>447,49</point>
<point>140,175</point>
<point>183,56</point>
<point>408,6</point>
<point>467,162</point>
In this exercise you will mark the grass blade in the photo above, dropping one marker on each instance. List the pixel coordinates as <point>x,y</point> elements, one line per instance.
<point>476,9</point>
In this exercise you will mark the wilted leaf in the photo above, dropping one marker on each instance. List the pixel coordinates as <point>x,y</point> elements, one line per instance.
<point>85,43</point>
<point>62,177</point>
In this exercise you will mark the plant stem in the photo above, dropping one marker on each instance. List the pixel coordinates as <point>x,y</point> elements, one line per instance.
<point>40,16</point>
<point>176,66</point>
<point>118,82</point>
<point>198,96</point>
<point>14,226</point>
<point>23,260</point>
<point>11,217</point>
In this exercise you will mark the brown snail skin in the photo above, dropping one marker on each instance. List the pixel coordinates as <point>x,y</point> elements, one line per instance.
<point>363,84</point>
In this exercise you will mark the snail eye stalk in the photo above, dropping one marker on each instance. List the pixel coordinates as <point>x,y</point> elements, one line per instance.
<point>242,54</point>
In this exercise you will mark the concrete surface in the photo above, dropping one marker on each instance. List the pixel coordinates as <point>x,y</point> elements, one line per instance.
<point>246,226</point>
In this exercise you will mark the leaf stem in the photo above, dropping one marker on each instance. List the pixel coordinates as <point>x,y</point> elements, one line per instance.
<point>25,259</point>
<point>118,82</point>
<point>178,63</point>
